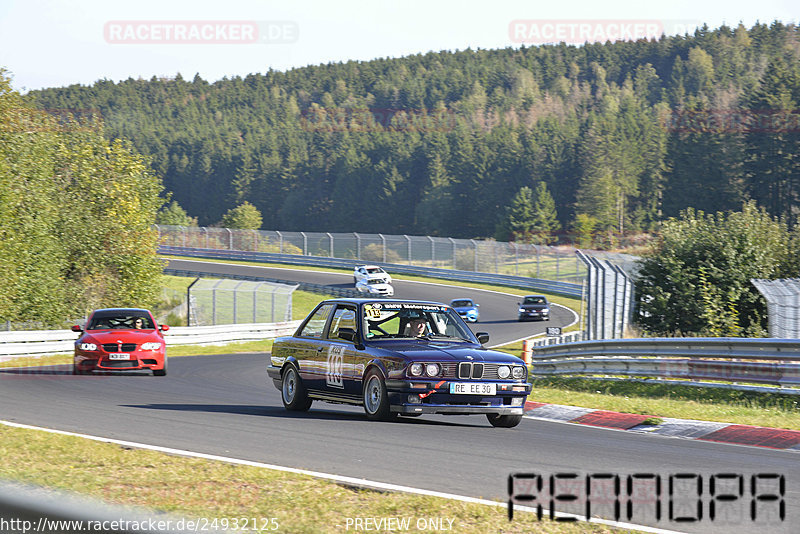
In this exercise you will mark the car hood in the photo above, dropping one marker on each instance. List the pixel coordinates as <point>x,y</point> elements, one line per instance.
<point>125,336</point>
<point>420,350</point>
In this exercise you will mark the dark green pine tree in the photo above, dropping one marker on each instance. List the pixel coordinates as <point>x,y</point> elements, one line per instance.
<point>545,216</point>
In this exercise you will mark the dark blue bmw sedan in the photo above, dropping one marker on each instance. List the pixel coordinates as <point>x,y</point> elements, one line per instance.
<point>397,357</point>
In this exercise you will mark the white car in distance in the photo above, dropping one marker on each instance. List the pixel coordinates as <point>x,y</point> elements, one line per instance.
<point>370,272</point>
<point>375,286</point>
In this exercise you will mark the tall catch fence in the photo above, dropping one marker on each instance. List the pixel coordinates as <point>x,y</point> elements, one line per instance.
<point>226,301</point>
<point>609,298</point>
<point>488,256</point>
<point>783,306</point>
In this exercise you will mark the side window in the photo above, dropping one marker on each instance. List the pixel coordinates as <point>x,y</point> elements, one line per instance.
<point>342,318</point>
<point>316,324</point>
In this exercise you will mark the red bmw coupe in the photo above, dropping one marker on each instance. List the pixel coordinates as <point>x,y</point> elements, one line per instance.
<point>120,339</point>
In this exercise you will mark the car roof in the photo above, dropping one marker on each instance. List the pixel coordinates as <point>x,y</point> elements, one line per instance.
<point>121,310</point>
<point>371,300</point>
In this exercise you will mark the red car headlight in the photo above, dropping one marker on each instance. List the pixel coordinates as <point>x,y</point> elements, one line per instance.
<point>151,346</point>
<point>87,346</point>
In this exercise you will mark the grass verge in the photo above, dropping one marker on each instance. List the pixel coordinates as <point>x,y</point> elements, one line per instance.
<point>192,488</point>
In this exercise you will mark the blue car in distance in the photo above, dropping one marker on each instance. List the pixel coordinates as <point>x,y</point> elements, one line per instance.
<point>397,357</point>
<point>467,309</point>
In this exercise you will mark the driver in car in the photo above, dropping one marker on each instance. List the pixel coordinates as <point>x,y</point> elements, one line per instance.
<point>418,326</point>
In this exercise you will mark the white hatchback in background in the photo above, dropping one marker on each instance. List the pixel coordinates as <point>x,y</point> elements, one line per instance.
<point>375,286</point>
<point>370,272</point>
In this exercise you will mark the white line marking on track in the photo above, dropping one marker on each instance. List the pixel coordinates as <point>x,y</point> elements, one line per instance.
<point>360,482</point>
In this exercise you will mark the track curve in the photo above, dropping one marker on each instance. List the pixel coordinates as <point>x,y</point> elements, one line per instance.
<point>498,310</point>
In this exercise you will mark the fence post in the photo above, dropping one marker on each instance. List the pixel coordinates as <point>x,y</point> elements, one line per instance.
<point>383,242</point>
<point>475,255</point>
<point>305,243</point>
<point>280,241</point>
<point>330,240</point>
<point>230,239</point>
<point>358,246</point>
<point>453,241</point>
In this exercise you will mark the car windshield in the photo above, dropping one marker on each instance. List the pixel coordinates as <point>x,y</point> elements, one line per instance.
<point>123,320</point>
<point>375,270</point>
<point>375,281</point>
<point>414,320</point>
<point>461,303</point>
<point>535,300</point>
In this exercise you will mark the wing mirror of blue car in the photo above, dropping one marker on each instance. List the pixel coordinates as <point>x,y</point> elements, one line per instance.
<point>483,337</point>
<point>348,334</point>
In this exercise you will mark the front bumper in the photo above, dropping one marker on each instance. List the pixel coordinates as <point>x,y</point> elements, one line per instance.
<point>436,398</point>
<point>137,362</point>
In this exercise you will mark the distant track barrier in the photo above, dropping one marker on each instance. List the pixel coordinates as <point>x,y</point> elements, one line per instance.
<point>534,284</point>
<point>731,360</point>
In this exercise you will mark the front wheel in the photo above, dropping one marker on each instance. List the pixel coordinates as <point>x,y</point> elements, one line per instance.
<point>503,421</point>
<point>161,372</point>
<point>293,392</point>
<point>376,399</point>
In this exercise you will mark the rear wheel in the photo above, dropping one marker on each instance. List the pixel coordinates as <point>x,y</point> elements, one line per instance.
<point>376,399</point>
<point>293,392</point>
<point>503,421</point>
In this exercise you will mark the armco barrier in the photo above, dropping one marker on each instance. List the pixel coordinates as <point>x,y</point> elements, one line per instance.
<point>534,284</point>
<point>762,361</point>
<point>44,342</point>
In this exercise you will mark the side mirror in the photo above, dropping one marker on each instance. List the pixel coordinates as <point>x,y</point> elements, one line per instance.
<point>348,334</point>
<point>76,328</point>
<point>483,337</point>
<point>164,327</point>
<point>477,305</point>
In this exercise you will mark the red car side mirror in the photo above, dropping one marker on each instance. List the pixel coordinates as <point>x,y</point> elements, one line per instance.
<point>164,327</point>
<point>76,328</point>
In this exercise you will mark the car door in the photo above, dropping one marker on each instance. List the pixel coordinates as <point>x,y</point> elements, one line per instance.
<point>309,346</point>
<point>340,355</point>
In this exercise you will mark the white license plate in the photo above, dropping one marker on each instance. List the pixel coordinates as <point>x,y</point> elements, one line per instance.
<point>119,356</point>
<point>469,388</point>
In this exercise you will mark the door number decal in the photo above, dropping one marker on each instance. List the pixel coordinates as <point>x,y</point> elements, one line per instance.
<point>335,366</point>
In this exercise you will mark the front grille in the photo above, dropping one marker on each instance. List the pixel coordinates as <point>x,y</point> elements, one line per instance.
<point>115,347</point>
<point>120,363</point>
<point>470,370</point>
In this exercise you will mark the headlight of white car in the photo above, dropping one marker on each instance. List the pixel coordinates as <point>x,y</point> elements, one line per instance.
<point>87,346</point>
<point>151,346</point>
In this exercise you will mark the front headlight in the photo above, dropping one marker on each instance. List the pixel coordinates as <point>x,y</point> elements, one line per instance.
<point>518,372</point>
<point>521,310</point>
<point>151,346</point>
<point>503,371</point>
<point>432,369</point>
<point>416,369</point>
<point>87,346</point>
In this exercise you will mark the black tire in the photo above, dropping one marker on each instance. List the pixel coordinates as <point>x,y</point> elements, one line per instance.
<point>503,421</point>
<point>376,399</point>
<point>161,372</point>
<point>78,371</point>
<point>293,392</point>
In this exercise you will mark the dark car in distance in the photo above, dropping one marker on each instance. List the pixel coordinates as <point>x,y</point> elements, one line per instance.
<point>397,357</point>
<point>534,307</point>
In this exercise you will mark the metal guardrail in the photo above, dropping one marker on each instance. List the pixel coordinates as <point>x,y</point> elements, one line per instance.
<point>534,284</point>
<point>770,361</point>
<point>304,286</point>
<point>45,342</point>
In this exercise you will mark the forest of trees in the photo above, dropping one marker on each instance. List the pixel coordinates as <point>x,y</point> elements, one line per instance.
<point>613,137</point>
<point>76,217</point>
